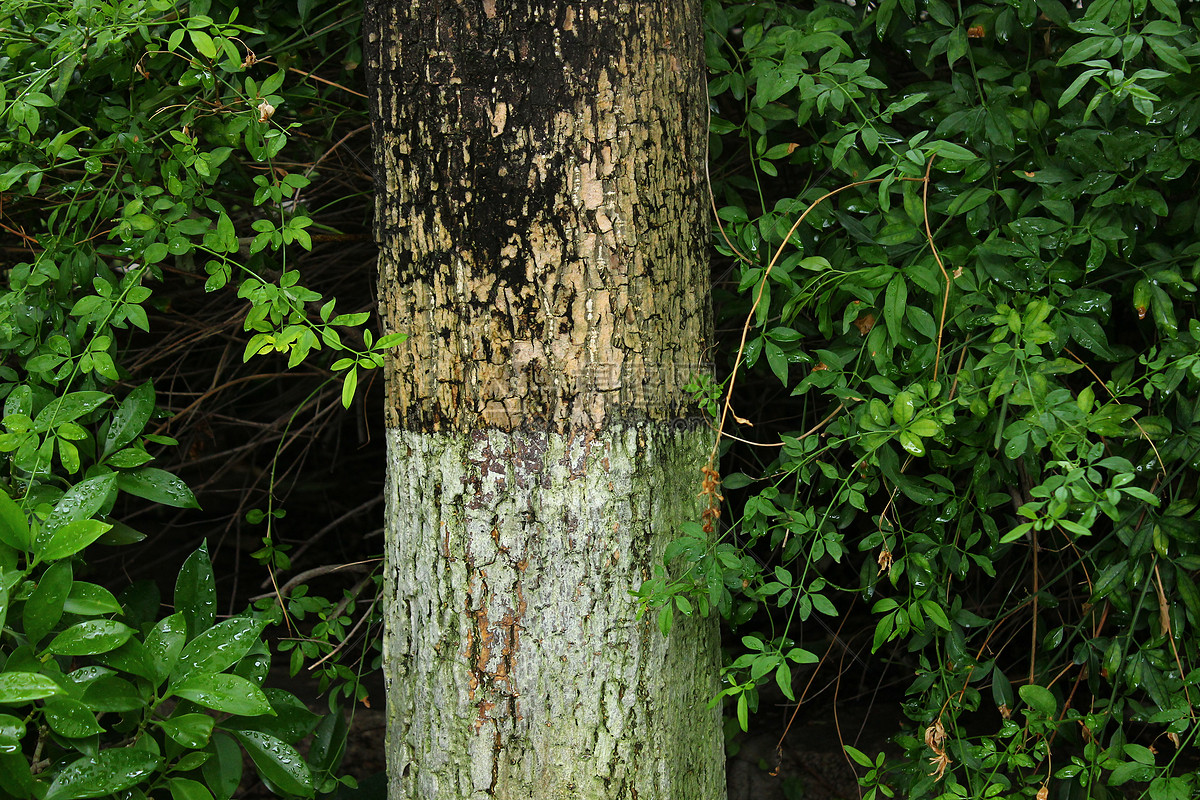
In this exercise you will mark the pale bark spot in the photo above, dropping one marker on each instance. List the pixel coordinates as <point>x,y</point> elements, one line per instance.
<point>499,115</point>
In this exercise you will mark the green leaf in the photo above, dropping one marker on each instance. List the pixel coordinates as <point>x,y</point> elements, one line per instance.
<point>1171,788</point>
<point>203,43</point>
<point>88,599</point>
<point>90,637</point>
<point>17,688</point>
<point>223,772</point>
<point>187,789</point>
<point>1140,754</point>
<point>1077,86</point>
<point>935,613</point>
<point>1039,698</point>
<point>232,694</point>
<point>292,721</point>
<point>164,644</point>
<point>14,526</point>
<point>219,647</point>
<point>196,592</point>
<point>278,762</point>
<point>71,718</point>
<point>328,745</point>
<point>158,486</point>
<point>71,538</point>
<point>129,419</point>
<point>111,693</point>
<point>12,731</point>
<point>68,408</point>
<point>44,608</point>
<point>109,771</point>
<point>349,386</point>
<point>190,730</point>
<point>969,200</point>
<point>1002,693</point>
<point>130,657</point>
<point>15,173</point>
<point>777,361</point>
<point>823,604</point>
<point>860,758</point>
<point>82,501</point>
<point>903,407</point>
<point>1188,593</point>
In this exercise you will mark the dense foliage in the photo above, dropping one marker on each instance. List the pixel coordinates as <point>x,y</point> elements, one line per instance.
<point>986,368</point>
<point>964,241</point>
<point>143,147</point>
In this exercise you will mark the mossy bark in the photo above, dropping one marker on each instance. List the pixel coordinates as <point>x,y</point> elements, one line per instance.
<point>540,211</point>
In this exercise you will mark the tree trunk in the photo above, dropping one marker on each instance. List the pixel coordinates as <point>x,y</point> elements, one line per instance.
<point>539,190</point>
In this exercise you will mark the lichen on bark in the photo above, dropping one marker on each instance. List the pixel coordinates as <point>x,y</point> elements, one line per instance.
<point>515,660</point>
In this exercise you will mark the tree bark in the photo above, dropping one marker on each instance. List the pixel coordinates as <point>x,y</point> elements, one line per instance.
<point>539,184</point>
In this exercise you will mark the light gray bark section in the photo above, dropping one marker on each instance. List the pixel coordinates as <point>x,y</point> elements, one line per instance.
<point>515,665</point>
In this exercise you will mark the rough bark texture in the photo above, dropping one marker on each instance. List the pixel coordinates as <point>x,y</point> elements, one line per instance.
<point>539,164</point>
<point>538,169</point>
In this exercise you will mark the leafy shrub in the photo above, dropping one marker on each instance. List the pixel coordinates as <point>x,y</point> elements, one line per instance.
<point>135,136</point>
<point>965,241</point>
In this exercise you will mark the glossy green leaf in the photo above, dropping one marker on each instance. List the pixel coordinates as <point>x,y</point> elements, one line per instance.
<point>278,762</point>
<point>21,687</point>
<point>232,694</point>
<point>90,637</point>
<point>12,731</point>
<point>103,774</point>
<point>14,526</point>
<point>112,693</point>
<point>44,607</point>
<point>190,730</point>
<point>157,486</point>
<point>89,599</point>
<point>130,419</point>
<point>164,644</point>
<point>71,538</point>
<point>82,501</point>
<point>196,593</point>
<point>223,772</point>
<point>187,789</point>
<point>68,408</point>
<point>70,718</point>
<point>1039,698</point>
<point>219,647</point>
<point>130,657</point>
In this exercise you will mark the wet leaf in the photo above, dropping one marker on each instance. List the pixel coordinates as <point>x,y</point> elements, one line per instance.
<point>71,538</point>
<point>223,772</point>
<point>190,730</point>
<point>278,762</point>
<point>71,718</point>
<point>44,608</point>
<point>129,419</point>
<point>90,637</point>
<point>232,694</point>
<point>103,774</point>
<point>219,647</point>
<point>21,687</point>
<point>164,644</point>
<point>12,731</point>
<point>196,593</point>
<point>14,526</point>
<point>157,486</point>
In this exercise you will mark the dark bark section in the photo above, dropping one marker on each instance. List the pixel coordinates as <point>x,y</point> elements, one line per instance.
<point>539,173</point>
